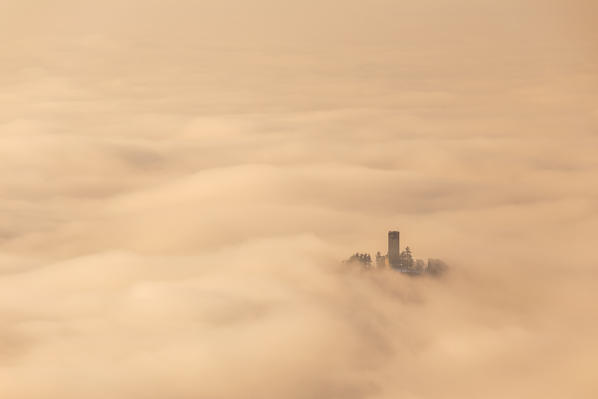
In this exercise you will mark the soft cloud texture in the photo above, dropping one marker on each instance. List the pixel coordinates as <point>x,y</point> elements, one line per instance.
<point>180,181</point>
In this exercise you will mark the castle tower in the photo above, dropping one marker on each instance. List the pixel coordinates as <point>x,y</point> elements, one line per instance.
<point>394,258</point>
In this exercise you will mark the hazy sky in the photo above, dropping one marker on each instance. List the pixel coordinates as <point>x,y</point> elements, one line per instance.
<point>180,180</point>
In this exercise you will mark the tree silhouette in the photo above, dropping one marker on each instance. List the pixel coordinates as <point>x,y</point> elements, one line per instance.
<point>363,259</point>
<point>406,259</point>
<point>436,267</point>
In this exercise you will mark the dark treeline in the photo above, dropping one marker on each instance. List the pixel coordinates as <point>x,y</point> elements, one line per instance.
<point>407,263</point>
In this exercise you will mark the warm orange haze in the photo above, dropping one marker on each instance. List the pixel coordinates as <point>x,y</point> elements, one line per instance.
<point>181,182</point>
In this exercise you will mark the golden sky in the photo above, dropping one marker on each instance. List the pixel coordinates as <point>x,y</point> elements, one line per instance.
<point>180,180</point>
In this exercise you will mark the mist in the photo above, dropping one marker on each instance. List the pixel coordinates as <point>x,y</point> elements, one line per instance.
<point>181,183</point>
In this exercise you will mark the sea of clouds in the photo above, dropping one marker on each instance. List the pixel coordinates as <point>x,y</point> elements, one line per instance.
<point>180,182</point>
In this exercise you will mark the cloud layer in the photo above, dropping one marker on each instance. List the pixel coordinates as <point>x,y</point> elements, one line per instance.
<point>180,182</point>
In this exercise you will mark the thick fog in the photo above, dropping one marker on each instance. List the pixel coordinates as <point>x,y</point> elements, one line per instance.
<point>180,182</point>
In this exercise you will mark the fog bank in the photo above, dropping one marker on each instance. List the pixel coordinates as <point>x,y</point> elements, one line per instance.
<point>180,183</point>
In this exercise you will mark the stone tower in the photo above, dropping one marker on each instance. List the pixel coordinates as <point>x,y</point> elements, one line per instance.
<point>394,258</point>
